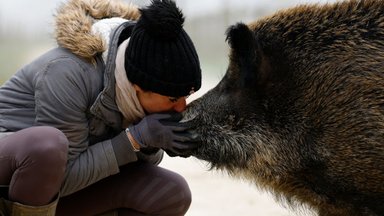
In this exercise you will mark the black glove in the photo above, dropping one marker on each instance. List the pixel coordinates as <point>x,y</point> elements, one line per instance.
<point>166,132</point>
<point>186,152</point>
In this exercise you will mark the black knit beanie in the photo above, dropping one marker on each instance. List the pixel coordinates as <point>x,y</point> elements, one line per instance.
<point>160,56</point>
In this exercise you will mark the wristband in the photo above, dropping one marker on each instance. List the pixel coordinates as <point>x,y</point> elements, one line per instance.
<point>131,140</point>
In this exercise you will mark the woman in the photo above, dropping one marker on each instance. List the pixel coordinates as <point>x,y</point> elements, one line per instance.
<point>87,122</point>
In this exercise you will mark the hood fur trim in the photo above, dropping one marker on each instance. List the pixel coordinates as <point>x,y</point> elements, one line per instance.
<point>74,20</point>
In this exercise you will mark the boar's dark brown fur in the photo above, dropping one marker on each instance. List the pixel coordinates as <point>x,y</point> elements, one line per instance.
<point>300,110</point>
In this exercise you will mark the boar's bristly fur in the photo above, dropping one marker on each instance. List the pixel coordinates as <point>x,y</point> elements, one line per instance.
<point>300,110</point>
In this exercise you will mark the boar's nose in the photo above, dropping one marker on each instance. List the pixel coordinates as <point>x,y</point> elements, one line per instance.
<point>180,105</point>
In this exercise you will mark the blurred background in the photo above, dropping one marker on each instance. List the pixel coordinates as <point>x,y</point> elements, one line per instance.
<point>26,28</point>
<point>26,31</point>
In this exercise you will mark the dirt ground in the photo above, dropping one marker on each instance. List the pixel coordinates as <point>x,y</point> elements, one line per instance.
<point>217,194</point>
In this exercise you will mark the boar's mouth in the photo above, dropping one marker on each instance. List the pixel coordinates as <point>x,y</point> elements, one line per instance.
<point>220,145</point>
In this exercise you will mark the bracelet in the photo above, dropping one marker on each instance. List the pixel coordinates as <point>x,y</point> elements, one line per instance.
<point>131,140</point>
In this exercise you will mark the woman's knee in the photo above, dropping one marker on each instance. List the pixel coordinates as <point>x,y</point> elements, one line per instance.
<point>40,154</point>
<point>146,170</point>
<point>47,145</point>
<point>182,188</point>
<point>178,198</point>
<point>170,191</point>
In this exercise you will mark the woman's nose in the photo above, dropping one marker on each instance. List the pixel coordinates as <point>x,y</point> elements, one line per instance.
<point>180,105</point>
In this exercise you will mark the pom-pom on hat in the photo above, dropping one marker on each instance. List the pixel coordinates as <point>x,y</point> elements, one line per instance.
<point>160,56</point>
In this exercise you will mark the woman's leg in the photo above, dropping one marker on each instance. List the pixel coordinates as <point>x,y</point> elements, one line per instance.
<point>32,163</point>
<point>139,189</point>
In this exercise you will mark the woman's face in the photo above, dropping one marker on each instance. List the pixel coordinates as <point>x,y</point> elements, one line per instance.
<point>154,102</point>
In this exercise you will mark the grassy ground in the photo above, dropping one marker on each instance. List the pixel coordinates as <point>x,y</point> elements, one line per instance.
<point>14,53</point>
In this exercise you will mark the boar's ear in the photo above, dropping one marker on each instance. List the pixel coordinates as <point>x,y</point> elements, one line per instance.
<point>247,55</point>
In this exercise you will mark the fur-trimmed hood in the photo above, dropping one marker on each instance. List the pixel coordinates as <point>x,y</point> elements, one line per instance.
<point>74,20</point>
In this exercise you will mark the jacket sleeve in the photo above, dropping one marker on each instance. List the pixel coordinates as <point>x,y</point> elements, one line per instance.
<point>63,94</point>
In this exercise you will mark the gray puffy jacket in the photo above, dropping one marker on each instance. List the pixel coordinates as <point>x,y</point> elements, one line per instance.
<point>76,96</point>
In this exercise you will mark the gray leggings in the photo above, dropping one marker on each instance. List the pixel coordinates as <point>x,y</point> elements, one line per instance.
<point>139,189</point>
<point>32,163</point>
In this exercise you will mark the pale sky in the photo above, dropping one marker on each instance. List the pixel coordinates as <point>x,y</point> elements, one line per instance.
<point>32,15</point>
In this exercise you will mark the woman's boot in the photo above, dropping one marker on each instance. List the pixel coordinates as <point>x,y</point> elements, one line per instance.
<point>9,208</point>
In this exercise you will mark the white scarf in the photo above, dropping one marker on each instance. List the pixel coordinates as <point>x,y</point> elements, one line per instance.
<point>126,98</point>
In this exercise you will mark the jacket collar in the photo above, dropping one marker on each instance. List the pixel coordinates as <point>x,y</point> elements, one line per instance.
<point>105,106</point>
<point>74,21</point>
